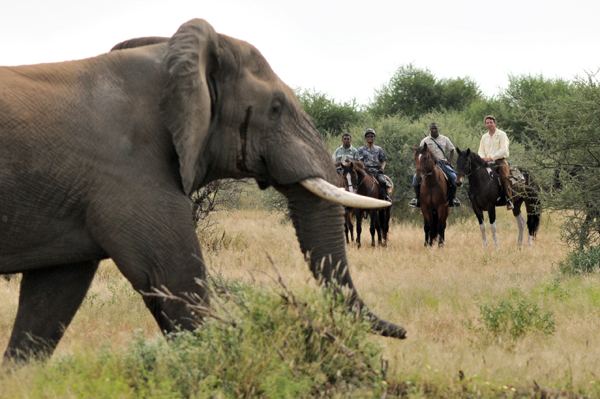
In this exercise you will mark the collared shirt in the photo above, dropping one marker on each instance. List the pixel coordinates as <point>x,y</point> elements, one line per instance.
<point>372,157</point>
<point>341,154</point>
<point>495,147</point>
<point>444,143</point>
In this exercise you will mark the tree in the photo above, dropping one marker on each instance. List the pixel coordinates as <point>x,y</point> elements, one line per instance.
<point>413,92</point>
<point>523,95</point>
<point>329,116</point>
<point>568,155</point>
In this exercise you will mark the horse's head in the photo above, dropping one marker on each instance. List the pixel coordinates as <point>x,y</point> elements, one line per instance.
<point>425,162</point>
<point>350,176</point>
<point>463,166</point>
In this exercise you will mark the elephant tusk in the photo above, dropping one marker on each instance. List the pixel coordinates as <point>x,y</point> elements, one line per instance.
<point>338,195</point>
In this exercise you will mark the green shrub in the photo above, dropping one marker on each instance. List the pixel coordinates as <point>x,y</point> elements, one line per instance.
<point>253,343</point>
<point>512,318</point>
<point>581,261</point>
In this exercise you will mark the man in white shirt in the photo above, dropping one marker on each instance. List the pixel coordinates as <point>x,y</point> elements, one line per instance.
<point>494,147</point>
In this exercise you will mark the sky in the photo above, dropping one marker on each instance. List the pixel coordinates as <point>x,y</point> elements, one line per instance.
<point>346,49</point>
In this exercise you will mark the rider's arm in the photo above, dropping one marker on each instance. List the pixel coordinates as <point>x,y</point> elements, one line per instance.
<point>383,165</point>
<point>503,150</point>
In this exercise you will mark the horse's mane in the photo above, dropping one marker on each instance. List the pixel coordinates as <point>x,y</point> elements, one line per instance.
<point>422,150</point>
<point>477,159</point>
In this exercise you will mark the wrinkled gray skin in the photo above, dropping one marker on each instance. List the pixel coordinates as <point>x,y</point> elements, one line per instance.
<point>98,158</point>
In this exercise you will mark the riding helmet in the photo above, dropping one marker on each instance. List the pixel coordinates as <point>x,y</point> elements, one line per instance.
<point>369,130</point>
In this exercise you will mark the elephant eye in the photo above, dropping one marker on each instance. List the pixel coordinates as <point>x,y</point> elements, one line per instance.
<point>275,111</point>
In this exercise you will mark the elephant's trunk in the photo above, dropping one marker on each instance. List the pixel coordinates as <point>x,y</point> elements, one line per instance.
<point>319,228</point>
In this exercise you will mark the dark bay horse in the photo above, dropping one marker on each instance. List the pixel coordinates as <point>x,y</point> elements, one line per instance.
<point>358,181</point>
<point>349,212</point>
<point>485,193</point>
<point>433,196</point>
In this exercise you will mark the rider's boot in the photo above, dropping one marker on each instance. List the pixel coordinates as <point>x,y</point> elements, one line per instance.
<point>509,204</point>
<point>452,200</point>
<point>416,202</point>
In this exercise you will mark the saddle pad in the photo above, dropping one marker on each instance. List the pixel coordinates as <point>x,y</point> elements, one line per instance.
<point>516,176</point>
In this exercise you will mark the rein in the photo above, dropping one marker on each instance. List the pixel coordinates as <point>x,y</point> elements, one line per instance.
<point>482,190</point>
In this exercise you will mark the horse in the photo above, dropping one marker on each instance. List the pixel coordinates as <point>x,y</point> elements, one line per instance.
<point>358,181</point>
<point>349,212</point>
<point>433,196</point>
<point>485,194</point>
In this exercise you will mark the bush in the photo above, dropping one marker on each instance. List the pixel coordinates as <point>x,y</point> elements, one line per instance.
<point>513,318</point>
<point>253,343</point>
<point>581,261</point>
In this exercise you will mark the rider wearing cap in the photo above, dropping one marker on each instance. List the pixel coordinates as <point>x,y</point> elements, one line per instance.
<point>443,149</point>
<point>373,157</point>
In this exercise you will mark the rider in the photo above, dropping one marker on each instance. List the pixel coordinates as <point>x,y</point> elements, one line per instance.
<point>440,145</point>
<point>373,157</point>
<point>493,147</point>
<point>346,151</point>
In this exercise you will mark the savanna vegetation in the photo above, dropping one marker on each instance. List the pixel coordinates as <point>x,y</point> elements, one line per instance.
<point>482,322</point>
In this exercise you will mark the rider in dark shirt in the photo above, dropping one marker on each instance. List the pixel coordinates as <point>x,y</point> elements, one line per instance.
<point>373,157</point>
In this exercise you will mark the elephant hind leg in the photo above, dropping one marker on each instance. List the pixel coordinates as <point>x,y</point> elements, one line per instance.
<point>48,301</point>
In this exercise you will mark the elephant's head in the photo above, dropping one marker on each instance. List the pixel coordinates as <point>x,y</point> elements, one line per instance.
<point>231,116</point>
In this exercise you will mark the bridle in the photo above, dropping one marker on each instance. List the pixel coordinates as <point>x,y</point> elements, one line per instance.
<point>427,162</point>
<point>469,167</point>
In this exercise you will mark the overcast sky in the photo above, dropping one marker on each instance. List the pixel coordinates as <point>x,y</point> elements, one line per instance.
<point>344,48</point>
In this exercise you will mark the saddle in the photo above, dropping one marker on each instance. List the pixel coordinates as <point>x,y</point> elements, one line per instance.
<point>388,182</point>
<point>515,177</point>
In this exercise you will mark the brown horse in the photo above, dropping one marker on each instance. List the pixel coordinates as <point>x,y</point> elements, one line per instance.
<point>358,181</point>
<point>434,192</point>
<point>349,212</point>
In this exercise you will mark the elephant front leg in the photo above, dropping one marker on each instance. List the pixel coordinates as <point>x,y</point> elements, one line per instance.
<point>48,301</point>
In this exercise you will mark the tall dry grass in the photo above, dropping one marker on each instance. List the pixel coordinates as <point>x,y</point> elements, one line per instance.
<point>434,293</point>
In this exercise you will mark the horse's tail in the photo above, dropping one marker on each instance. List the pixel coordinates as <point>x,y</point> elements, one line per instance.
<point>532,203</point>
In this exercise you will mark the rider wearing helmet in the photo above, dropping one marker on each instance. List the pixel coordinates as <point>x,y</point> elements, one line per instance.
<point>373,157</point>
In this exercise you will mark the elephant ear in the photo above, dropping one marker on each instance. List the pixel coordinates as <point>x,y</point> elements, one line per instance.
<point>186,102</point>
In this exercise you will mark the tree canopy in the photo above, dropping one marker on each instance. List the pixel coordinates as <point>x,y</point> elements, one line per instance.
<point>414,92</point>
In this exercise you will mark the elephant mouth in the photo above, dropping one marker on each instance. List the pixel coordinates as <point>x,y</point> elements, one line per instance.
<point>339,195</point>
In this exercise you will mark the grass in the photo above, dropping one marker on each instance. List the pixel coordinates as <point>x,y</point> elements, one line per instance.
<point>453,302</point>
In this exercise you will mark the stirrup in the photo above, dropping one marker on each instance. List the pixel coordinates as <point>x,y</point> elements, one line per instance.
<point>509,205</point>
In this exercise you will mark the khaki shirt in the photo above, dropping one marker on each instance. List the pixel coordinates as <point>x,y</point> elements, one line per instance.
<point>495,147</point>
<point>443,141</point>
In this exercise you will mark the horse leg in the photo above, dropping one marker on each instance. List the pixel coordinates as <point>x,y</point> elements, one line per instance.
<point>426,228</point>
<point>379,226</point>
<point>442,215</point>
<point>372,227</point>
<point>492,216</point>
<point>346,229</point>
<point>351,226</point>
<point>384,220</point>
<point>481,220</point>
<point>532,205</point>
<point>359,217</point>
<point>433,235</point>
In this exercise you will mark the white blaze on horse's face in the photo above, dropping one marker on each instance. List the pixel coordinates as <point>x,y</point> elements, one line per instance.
<point>349,180</point>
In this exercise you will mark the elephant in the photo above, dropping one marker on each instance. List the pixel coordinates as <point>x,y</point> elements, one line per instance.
<point>99,157</point>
